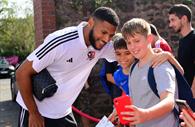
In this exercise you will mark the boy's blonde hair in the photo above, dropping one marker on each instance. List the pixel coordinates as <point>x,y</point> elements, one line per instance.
<point>136,26</point>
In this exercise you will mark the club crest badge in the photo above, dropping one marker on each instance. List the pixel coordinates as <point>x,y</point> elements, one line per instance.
<point>91,55</point>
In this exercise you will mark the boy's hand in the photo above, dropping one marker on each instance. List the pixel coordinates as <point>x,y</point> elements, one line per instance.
<point>157,50</point>
<point>113,117</point>
<point>137,116</point>
<point>188,120</point>
<point>160,58</point>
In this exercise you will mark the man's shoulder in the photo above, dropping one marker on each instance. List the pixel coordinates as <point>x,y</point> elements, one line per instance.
<point>193,31</point>
<point>188,37</point>
<point>65,31</point>
<point>193,34</point>
<point>62,35</point>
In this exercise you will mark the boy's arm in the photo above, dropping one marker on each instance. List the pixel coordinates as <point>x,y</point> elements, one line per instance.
<point>140,115</point>
<point>110,78</point>
<point>193,87</point>
<point>165,106</point>
<point>110,68</point>
<point>164,56</point>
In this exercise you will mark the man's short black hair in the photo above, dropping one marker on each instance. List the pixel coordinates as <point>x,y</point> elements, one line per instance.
<point>106,14</point>
<point>180,10</point>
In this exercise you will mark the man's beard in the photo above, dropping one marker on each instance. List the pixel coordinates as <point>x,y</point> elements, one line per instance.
<point>178,31</point>
<point>92,39</point>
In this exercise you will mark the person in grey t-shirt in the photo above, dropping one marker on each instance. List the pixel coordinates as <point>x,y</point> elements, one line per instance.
<point>148,109</point>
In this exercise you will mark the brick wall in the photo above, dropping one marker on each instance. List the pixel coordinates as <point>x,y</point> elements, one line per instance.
<point>56,14</point>
<point>154,11</point>
<point>44,19</point>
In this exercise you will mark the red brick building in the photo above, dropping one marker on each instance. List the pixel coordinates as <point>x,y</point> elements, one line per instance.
<point>45,19</point>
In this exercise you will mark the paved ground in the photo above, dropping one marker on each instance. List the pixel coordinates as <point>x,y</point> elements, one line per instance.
<point>8,109</point>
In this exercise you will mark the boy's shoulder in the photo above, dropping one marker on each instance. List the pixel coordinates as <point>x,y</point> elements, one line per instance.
<point>118,71</point>
<point>118,74</point>
<point>166,66</point>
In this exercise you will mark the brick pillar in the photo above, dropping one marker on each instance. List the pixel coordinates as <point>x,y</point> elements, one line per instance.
<point>44,19</point>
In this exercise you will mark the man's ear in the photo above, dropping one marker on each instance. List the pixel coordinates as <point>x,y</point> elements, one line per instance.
<point>184,19</point>
<point>150,38</point>
<point>91,22</point>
